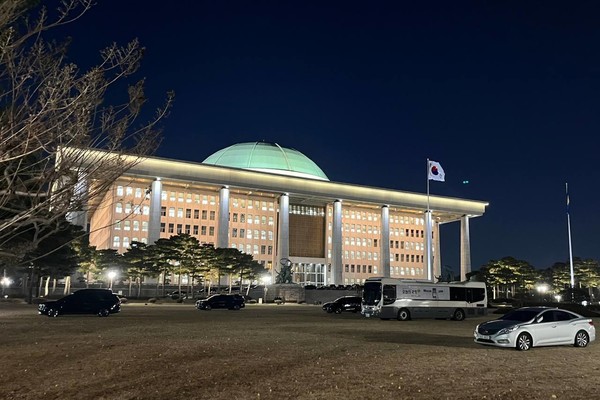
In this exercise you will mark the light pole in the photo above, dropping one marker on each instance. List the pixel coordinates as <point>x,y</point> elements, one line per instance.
<point>111,276</point>
<point>266,280</point>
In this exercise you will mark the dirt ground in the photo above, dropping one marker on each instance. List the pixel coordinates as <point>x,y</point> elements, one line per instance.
<point>273,352</point>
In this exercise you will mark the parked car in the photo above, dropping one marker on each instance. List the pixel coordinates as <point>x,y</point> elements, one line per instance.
<point>528,327</point>
<point>229,301</point>
<point>503,303</point>
<point>176,295</point>
<point>344,303</point>
<point>101,302</point>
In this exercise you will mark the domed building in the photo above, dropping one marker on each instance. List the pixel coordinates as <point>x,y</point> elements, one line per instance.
<point>267,157</point>
<point>275,203</point>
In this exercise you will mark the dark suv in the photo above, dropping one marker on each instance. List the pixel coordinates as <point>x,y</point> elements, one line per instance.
<point>344,303</point>
<point>229,301</point>
<point>101,302</point>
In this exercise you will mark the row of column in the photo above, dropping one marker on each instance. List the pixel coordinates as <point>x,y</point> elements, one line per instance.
<point>433,264</point>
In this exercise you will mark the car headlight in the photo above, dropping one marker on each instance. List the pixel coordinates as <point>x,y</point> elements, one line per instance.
<point>508,330</point>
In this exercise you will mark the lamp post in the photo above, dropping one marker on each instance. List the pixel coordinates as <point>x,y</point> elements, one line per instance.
<point>266,280</point>
<point>5,282</point>
<point>111,276</point>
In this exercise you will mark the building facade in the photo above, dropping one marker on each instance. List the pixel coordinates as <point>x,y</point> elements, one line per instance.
<point>277,205</point>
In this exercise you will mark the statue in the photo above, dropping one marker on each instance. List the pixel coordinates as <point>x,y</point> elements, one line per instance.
<point>284,275</point>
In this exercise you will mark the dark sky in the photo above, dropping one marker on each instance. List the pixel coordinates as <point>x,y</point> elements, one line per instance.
<point>504,94</point>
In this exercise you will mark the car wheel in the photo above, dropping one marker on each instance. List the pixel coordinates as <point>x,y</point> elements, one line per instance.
<point>207,307</point>
<point>459,315</point>
<point>403,315</point>
<point>329,310</point>
<point>581,339</point>
<point>236,307</point>
<point>338,310</point>
<point>52,313</point>
<point>524,342</point>
<point>103,312</point>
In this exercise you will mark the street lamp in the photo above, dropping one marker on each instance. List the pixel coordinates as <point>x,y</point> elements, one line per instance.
<point>266,280</point>
<point>5,282</point>
<point>111,276</point>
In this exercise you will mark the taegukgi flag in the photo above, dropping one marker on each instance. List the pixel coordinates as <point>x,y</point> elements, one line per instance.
<point>436,172</point>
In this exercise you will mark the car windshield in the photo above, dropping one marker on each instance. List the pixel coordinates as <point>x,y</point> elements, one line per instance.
<point>520,315</point>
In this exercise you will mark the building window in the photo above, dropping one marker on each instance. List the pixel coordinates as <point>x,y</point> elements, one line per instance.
<point>180,197</point>
<point>119,190</point>
<point>127,225</point>
<point>242,217</point>
<point>136,225</point>
<point>126,242</point>
<point>234,232</point>
<point>263,249</point>
<point>204,214</point>
<point>211,231</point>
<point>203,230</point>
<point>118,225</point>
<point>196,214</point>
<point>162,227</point>
<point>195,229</point>
<point>179,229</point>
<point>171,211</point>
<point>116,241</point>
<point>212,215</point>
<point>171,228</point>
<point>188,213</point>
<point>242,233</point>
<point>188,229</point>
<point>119,207</point>
<point>163,195</point>
<point>138,193</point>
<point>163,211</point>
<point>145,210</point>
<point>180,213</point>
<point>235,217</point>
<point>270,250</point>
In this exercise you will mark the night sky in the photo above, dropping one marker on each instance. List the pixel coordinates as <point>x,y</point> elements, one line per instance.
<point>504,94</point>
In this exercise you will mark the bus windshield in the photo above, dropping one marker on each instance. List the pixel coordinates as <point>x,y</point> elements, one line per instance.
<point>372,293</point>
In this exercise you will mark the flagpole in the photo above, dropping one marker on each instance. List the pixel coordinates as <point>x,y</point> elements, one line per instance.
<point>428,230</point>
<point>570,244</point>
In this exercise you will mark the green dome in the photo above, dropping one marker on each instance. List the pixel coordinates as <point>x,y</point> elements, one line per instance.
<point>267,157</point>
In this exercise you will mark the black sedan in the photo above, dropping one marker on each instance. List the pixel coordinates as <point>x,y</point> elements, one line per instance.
<point>101,302</point>
<point>344,303</point>
<point>229,301</point>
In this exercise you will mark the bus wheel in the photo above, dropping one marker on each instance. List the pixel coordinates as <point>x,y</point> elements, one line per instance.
<point>403,315</point>
<point>459,315</point>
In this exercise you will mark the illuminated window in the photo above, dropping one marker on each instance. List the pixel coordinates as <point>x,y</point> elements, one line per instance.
<point>119,190</point>
<point>116,241</point>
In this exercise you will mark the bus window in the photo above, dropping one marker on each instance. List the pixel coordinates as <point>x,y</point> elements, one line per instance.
<point>458,294</point>
<point>372,293</point>
<point>389,294</point>
<point>475,294</point>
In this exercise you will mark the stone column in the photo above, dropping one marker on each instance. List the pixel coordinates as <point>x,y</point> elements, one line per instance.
<point>337,277</point>
<point>223,230</point>
<point>465,248</point>
<point>385,241</point>
<point>428,245</point>
<point>283,235</point>
<point>79,202</point>
<point>437,253</point>
<point>154,217</point>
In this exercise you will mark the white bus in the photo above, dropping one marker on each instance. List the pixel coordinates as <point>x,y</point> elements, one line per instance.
<point>404,299</point>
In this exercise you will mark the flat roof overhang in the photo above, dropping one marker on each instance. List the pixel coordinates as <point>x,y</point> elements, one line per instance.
<point>303,190</point>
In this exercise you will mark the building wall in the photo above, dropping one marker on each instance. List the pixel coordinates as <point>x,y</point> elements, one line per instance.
<point>123,215</point>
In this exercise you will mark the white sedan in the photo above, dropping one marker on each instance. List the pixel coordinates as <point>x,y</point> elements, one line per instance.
<point>529,327</point>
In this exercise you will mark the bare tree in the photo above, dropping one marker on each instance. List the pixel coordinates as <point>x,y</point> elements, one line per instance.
<point>51,113</point>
